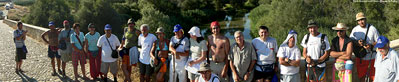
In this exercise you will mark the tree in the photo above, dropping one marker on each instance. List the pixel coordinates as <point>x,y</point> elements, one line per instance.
<point>98,12</point>
<point>43,11</point>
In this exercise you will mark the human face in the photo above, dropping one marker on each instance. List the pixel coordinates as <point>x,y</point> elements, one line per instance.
<point>362,22</point>
<point>205,74</point>
<point>92,29</point>
<point>131,25</point>
<point>215,29</point>
<point>263,33</point>
<point>160,35</point>
<point>77,28</point>
<point>179,34</point>
<point>341,33</point>
<point>66,25</point>
<point>20,26</point>
<point>384,50</point>
<point>291,42</point>
<point>107,32</point>
<point>52,27</point>
<point>313,30</point>
<point>239,39</point>
<point>144,30</point>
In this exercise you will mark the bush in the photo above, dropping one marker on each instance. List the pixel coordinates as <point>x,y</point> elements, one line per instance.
<point>24,2</point>
<point>43,11</point>
<point>98,12</point>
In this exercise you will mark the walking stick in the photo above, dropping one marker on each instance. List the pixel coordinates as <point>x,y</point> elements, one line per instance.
<point>174,68</point>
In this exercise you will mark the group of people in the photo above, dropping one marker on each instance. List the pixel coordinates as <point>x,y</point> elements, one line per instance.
<point>195,58</point>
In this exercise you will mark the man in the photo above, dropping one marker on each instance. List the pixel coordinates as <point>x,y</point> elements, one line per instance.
<point>358,36</point>
<point>341,50</point>
<point>65,48</point>
<point>107,43</point>
<point>19,40</point>
<point>242,59</point>
<point>266,50</point>
<point>91,40</point>
<point>206,74</point>
<point>315,51</point>
<point>130,43</point>
<point>52,35</point>
<point>146,41</point>
<point>179,48</point>
<point>386,62</point>
<point>78,54</point>
<point>289,57</point>
<point>219,47</point>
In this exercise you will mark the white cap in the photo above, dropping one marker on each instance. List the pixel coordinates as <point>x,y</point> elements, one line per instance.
<point>195,31</point>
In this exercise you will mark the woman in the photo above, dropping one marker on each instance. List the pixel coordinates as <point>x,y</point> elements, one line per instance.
<point>91,48</point>
<point>160,58</point>
<point>78,55</point>
<point>198,49</point>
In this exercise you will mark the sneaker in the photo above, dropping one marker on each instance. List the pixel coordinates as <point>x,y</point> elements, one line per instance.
<point>20,70</point>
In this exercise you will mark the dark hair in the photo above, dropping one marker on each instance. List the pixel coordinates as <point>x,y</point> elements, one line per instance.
<point>75,25</point>
<point>19,23</point>
<point>264,28</point>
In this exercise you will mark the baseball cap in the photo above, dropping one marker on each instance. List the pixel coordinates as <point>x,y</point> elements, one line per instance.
<point>51,23</point>
<point>311,23</point>
<point>215,23</point>
<point>381,41</point>
<point>292,32</point>
<point>65,21</point>
<point>107,27</point>
<point>177,28</point>
<point>91,25</point>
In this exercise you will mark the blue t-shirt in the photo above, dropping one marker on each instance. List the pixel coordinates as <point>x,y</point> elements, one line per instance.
<point>75,41</point>
<point>92,41</point>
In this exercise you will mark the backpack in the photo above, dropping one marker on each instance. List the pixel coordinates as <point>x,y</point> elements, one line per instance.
<point>323,45</point>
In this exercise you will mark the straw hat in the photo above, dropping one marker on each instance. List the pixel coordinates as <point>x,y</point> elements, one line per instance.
<point>359,16</point>
<point>340,26</point>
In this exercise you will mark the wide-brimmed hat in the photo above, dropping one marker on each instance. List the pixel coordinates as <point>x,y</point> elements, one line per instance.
<point>130,21</point>
<point>160,29</point>
<point>311,23</point>
<point>340,26</point>
<point>195,31</point>
<point>359,16</point>
<point>204,67</point>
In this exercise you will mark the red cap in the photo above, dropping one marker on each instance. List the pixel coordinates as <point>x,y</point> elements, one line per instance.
<point>65,21</point>
<point>215,23</point>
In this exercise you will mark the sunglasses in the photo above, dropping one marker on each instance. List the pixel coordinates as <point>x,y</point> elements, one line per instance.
<point>339,30</point>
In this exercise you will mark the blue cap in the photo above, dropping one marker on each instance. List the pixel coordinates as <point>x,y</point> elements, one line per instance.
<point>51,23</point>
<point>177,28</point>
<point>292,32</point>
<point>381,41</point>
<point>107,27</point>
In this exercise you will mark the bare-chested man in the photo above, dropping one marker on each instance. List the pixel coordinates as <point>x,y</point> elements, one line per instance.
<point>219,46</point>
<point>52,41</point>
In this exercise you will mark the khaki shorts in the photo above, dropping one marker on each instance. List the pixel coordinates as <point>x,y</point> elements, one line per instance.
<point>111,66</point>
<point>217,69</point>
<point>65,57</point>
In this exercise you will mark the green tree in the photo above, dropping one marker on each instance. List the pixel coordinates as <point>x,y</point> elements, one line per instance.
<point>100,13</point>
<point>43,11</point>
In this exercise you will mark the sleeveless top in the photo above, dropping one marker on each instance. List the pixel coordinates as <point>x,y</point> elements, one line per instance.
<point>131,38</point>
<point>335,44</point>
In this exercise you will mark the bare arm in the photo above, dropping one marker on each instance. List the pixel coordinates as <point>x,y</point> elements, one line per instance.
<point>202,58</point>
<point>295,63</point>
<point>227,50</point>
<point>44,37</point>
<point>324,57</point>
<point>122,43</point>
<point>153,50</point>
<point>348,53</point>
<point>283,62</point>
<point>86,45</point>
<point>251,66</point>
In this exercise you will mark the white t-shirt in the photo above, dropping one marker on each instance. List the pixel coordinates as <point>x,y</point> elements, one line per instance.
<point>359,32</point>
<point>146,45</point>
<point>106,51</point>
<point>214,78</point>
<point>314,47</point>
<point>265,51</point>
<point>291,53</point>
<point>184,46</point>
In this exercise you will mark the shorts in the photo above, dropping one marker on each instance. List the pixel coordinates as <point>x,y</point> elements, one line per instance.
<point>320,73</point>
<point>290,78</point>
<point>19,54</point>
<point>362,66</point>
<point>111,66</point>
<point>66,55</point>
<point>76,56</point>
<point>145,69</point>
<point>217,69</point>
<point>263,75</point>
<point>53,53</point>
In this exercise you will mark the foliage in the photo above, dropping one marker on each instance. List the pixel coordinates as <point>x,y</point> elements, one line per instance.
<point>24,2</point>
<point>43,11</point>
